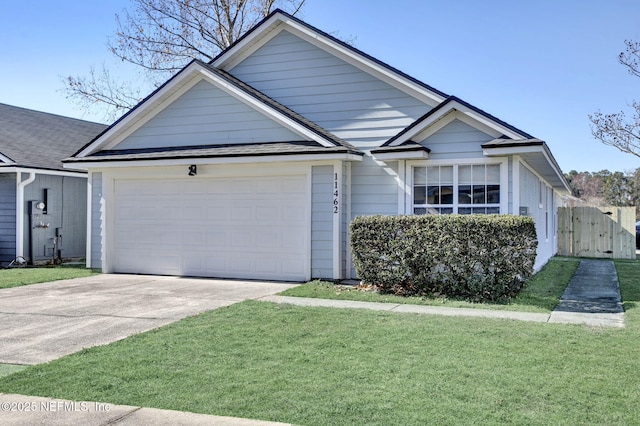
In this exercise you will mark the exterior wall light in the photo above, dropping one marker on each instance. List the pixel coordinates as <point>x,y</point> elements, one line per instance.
<point>193,170</point>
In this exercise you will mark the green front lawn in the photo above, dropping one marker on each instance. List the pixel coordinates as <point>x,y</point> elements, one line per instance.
<point>541,294</point>
<point>24,276</point>
<point>323,366</point>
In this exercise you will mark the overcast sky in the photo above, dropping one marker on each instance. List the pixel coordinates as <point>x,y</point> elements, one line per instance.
<point>541,66</point>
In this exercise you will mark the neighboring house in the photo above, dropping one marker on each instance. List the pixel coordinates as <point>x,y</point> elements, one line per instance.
<point>42,204</point>
<point>253,165</point>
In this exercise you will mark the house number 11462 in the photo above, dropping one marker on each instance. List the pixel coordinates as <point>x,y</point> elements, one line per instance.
<point>336,193</point>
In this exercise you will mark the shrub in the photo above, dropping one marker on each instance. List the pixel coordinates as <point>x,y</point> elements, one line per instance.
<point>477,257</point>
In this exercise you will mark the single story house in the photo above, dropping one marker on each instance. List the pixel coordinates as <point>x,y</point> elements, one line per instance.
<point>42,204</point>
<point>253,165</point>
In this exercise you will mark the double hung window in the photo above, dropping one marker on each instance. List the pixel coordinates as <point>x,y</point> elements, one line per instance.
<point>463,189</point>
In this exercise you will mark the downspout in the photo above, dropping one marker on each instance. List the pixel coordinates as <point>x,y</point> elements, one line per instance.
<point>20,185</point>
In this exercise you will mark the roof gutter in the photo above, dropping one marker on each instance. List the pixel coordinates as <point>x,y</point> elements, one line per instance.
<point>232,159</point>
<point>20,185</point>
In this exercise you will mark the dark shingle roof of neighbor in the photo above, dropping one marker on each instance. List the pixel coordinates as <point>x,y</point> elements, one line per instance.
<point>40,140</point>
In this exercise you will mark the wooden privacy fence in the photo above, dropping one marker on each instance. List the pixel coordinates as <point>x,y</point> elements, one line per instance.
<point>607,232</point>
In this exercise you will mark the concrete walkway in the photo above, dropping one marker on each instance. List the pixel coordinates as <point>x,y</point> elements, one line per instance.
<point>592,298</point>
<point>33,410</point>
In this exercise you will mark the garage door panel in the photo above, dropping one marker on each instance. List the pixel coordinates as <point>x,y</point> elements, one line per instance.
<point>242,240</point>
<point>243,186</point>
<point>266,239</point>
<point>243,213</point>
<point>194,261</point>
<point>132,262</point>
<point>215,264</point>
<point>268,213</point>
<point>268,266</point>
<point>194,238</point>
<point>236,228</point>
<point>294,241</point>
<point>268,186</point>
<point>295,185</point>
<point>293,215</point>
<point>217,239</point>
<point>240,265</point>
<point>194,213</point>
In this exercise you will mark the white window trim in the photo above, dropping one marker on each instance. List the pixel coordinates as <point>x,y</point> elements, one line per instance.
<point>504,177</point>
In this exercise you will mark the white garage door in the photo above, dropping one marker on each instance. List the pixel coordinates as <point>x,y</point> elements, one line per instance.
<point>234,228</point>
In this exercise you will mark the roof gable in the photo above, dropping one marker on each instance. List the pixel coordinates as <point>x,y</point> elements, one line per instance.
<point>206,115</point>
<point>350,103</point>
<point>451,109</point>
<point>150,111</point>
<point>279,21</point>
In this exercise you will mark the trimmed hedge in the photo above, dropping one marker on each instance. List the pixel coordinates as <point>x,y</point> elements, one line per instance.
<point>476,257</point>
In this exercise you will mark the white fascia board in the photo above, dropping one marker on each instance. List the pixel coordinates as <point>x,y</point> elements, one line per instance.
<point>265,109</point>
<point>411,133</point>
<point>406,155</point>
<point>487,121</point>
<point>224,160</point>
<point>6,159</point>
<point>279,22</point>
<point>44,171</point>
<point>249,44</point>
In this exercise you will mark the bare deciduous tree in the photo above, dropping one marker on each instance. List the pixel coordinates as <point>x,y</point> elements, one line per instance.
<point>616,129</point>
<point>160,37</point>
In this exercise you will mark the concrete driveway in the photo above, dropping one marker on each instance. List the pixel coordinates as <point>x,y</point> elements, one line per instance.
<point>42,322</point>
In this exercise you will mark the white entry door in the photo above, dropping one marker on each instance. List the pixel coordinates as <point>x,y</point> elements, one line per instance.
<point>254,227</point>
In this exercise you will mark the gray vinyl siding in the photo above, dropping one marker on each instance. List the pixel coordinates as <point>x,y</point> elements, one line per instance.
<point>96,220</point>
<point>7,217</point>
<point>321,222</point>
<point>74,219</point>
<point>327,90</point>
<point>456,140</point>
<point>206,115</point>
<point>374,189</point>
<point>65,214</point>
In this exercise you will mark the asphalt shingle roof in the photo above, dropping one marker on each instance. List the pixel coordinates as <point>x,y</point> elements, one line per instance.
<point>213,151</point>
<point>35,139</point>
